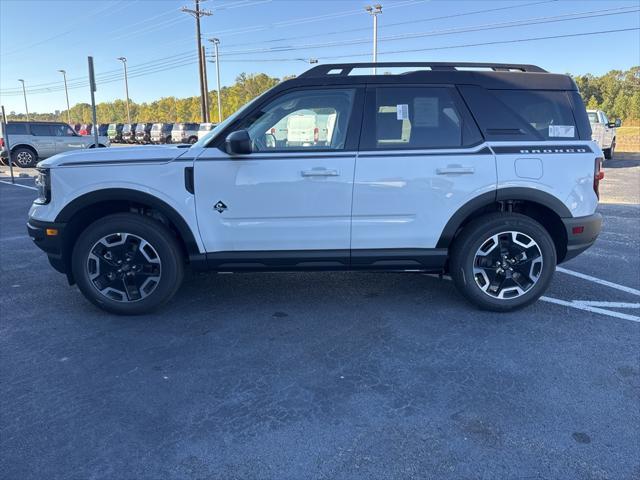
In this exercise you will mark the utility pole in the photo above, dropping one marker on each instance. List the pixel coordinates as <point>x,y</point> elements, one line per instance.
<point>216,42</point>
<point>24,91</point>
<point>66,92</point>
<point>197,13</point>
<point>374,11</point>
<point>126,86</point>
<point>206,83</point>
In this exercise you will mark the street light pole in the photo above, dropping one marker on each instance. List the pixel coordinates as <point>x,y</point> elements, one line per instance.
<point>24,91</point>
<point>197,14</point>
<point>216,42</point>
<point>374,11</point>
<point>126,86</point>
<point>66,92</point>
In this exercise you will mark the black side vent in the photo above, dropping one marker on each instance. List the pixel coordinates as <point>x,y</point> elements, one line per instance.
<point>188,180</point>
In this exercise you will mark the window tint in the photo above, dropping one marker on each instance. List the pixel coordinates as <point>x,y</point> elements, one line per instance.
<point>41,130</point>
<point>548,113</point>
<point>16,129</point>
<point>415,118</point>
<point>61,130</point>
<point>302,120</point>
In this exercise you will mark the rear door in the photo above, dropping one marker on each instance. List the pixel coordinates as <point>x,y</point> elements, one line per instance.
<point>44,139</point>
<point>421,158</point>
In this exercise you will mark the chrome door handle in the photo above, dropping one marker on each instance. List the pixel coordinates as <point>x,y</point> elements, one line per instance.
<point>319,172</point>
<point>455,169</point>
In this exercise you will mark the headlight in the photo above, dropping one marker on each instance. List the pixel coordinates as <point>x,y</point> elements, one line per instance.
<point>43,183</point>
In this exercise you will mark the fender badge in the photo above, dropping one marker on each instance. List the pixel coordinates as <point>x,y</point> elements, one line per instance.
<point>220,207</point>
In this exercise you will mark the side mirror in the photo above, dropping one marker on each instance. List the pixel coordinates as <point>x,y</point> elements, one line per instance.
<point>618,122</point>
<point>238,143</point>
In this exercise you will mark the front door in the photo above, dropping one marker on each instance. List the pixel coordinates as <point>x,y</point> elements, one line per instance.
<point>421,159</point>
<point>67,139</point>
<point>293,192</point>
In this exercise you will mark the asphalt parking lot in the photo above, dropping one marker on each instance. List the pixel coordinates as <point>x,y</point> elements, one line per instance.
<point>325,375</point>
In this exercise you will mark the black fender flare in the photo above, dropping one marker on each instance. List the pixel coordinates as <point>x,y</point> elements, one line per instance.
<point>136,196</point>
<point>510,193</point>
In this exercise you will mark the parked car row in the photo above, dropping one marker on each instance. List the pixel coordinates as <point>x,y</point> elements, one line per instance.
<point>157,133</point>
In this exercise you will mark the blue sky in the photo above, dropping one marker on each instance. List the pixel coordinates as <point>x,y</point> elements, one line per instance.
<point>37,38</point>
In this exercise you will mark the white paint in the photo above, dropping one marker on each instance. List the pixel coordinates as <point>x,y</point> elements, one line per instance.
<point>589,303</point>
<point>606,283</point>
<point>18,185</point>
<point>587,308</point>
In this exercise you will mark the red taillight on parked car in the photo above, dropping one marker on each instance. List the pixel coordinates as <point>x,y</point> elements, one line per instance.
<point>598,174</point>
<point>316,135</point>
<point>1,142</point>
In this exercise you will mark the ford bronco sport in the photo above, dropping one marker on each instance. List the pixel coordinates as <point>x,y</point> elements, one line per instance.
<point>483,171</point>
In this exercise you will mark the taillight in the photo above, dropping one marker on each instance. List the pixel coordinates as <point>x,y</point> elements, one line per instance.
<point>598,174</point>
<point>1,142</point>
<point>316,135</point>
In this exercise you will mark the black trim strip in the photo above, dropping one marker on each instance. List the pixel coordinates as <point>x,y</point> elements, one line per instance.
<point>541,149</point>
<point>123,162</point>
<point>275,156</point>
<point>425,153</point>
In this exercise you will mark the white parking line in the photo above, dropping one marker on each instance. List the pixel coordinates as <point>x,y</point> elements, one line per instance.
<point>587,308</point>
<point>589,303</point>
<point>18,185</point>
<point>606,283</point>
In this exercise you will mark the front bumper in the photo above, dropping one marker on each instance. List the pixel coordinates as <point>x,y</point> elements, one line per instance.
<point>52,245</point>
<point>582,232</point>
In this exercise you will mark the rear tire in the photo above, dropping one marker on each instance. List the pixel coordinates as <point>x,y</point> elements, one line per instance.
<point>24,157</point>
<point>503,261</point>
<point>127,264</point>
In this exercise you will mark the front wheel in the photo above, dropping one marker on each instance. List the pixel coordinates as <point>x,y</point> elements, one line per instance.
<point>503,261</point>
<point>127,264</point>
<point>608,152</point>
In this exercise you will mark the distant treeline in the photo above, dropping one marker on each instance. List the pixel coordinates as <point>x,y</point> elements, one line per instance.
<point>617,93</point>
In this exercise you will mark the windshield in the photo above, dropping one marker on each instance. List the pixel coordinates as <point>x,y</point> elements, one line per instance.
<point>222,125</point>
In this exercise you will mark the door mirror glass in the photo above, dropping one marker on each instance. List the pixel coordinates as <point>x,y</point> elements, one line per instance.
<point>618,122</point>
<point>238,143</point>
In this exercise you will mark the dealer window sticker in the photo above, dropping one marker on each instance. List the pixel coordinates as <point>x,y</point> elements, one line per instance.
<point>402,111</point>
<point>566,131</point>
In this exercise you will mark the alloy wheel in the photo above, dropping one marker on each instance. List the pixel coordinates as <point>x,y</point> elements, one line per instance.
<point>124,267</point>
<point>24,158</point>
<point>507,265</point>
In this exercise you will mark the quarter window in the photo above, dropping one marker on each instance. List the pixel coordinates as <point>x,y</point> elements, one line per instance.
<point>302,120</point>
<point>547,112</point>
<point>16,129</point>
<point>415,118</point>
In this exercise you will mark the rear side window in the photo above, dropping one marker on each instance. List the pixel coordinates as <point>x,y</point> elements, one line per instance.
<point>547,112</point>
<point>417,118</point>
<point>16,129</point>
<point>41,130</point>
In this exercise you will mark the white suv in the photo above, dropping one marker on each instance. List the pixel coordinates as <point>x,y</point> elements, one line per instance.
<point>485,171</point>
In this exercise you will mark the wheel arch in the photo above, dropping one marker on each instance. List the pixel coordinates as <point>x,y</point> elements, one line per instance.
<point>25,145</point>
<point>87,208</point>
<point>541,206</point>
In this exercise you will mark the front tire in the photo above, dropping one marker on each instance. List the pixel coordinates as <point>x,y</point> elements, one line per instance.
<point>127,264</point>
<point>503,261</point>
<point>608,152</point>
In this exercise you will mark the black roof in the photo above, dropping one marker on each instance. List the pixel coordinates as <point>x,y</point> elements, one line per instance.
<point>487,75</point>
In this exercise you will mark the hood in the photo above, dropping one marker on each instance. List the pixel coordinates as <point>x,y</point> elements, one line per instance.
<point>111,155</point>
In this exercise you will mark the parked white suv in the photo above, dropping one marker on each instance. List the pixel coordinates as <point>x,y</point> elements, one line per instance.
<point>603,131</point>
<point>485,171</point>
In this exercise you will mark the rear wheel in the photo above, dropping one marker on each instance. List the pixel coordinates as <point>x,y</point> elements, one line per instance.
<point>193,140</point>
<point>503,261</point>
<point>127,264</point>
<point>24,157</point>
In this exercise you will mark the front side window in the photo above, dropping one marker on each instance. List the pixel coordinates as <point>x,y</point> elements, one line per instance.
<point>547,112</point>
<point>41,130</point>
<point>414,118</point>
<point>593,117</point>
<point>302,120</point>
<point>62,130</point>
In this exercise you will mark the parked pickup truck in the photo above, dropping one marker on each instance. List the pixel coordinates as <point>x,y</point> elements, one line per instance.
<point>603,131</point>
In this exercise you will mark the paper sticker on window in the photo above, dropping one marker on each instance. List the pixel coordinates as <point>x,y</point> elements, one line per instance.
<point>425,112</point>
<point>402,111</point>
<point>567,131</point>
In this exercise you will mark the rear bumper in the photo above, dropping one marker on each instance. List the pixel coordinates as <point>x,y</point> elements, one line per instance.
<point>582,232</point>
<point>50,244</point>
